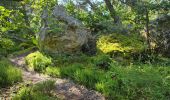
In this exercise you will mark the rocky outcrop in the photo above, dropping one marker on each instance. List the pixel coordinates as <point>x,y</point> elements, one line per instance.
<point>62,33</point>
<point>160,34</point>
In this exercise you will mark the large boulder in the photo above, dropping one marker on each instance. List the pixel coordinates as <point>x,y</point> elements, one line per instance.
<point>62,33</point>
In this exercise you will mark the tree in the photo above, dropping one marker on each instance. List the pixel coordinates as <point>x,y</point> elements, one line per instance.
<point>112,12</point>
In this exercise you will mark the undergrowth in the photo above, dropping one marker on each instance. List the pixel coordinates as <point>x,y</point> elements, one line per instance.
<point>9,74</point>
<point>37,61</point>
<point>111,78</point>
<point>39,91</point>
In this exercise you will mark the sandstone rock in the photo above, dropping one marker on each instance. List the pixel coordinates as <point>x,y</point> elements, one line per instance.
<point>62,33</point>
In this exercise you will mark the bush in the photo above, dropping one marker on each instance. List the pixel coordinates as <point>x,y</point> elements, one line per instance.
<point>120,47</point>
<point>37,61</point>
<point>8,74</point>
<point>40,91</point>
<point>7,45</point>
<point>119,42</point>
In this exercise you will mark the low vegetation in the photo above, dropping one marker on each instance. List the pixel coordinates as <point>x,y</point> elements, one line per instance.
<point>9,74</point>
<point>114,80</point>
<point>120,48</point>
<point>39,91</point>
<point>37,61</point>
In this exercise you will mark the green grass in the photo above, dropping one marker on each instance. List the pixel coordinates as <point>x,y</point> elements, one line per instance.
<point>39,91</point>
<point>8,73</point>
<point>114,81</point>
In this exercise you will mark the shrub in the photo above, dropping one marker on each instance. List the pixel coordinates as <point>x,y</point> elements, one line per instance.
<point>119,42</point>
<point>6,46</point>
<point>121,47</point>
<point>37,61</point>
<point>9,74</point>
<point>6,43</point>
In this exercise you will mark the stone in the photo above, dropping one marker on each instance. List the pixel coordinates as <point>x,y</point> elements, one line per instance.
<point>62,33</point>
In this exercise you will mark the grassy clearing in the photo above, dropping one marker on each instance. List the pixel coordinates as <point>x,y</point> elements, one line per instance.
<point>9,74</point>
<point>114,80</point>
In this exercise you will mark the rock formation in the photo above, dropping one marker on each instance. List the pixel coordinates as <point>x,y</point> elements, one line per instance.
<point>62,33</point>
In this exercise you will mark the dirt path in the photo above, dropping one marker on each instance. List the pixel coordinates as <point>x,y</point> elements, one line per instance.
<point>65,89</point>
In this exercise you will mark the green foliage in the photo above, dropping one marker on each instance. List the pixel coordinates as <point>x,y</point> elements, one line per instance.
<point>38,61</point>
<point>37,7</point>
<point>53,71</point>
<point>19,52</point>
<point>10,19</point>
<point>140,81</point>
<point>102,61</point>
<point>131,82</point>
<point>9,74</point>
<point>99,72</point>
<point>39,91</point>
<point>78,73</point>
<point>45,87</point>
<point>67,59</point>
<point>119,42</point>
<point>6,45</point>
<point>91,19</point>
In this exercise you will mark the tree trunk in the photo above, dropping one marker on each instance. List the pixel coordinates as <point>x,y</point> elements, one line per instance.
<point>112,12</point>
<point>147,28</point>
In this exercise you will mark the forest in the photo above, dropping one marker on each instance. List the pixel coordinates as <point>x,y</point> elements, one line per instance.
<point>84,50</point>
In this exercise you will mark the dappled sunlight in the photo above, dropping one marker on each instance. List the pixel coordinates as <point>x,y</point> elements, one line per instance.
<point>85,49</point>
<point>121,43</point>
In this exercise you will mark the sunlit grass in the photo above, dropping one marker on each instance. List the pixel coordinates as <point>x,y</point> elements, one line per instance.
<point>8,73</point>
